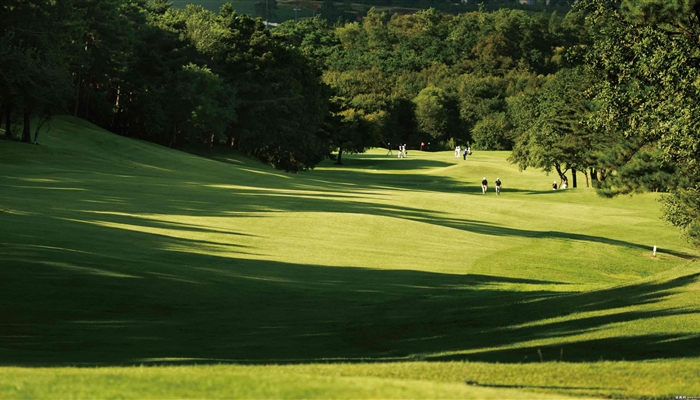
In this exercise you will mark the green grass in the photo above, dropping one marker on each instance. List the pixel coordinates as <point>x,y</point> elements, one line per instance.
<point>378,278</point>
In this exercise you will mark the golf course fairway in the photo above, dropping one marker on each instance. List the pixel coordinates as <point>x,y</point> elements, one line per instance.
<point>132,270</point>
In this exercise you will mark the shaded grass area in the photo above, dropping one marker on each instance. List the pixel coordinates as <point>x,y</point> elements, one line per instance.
<point>64,306</point>
<point>117,252</point>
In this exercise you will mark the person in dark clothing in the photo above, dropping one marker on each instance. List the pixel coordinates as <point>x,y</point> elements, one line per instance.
<point>464,154</point>
<point>484,185</point>
<point>498,186</point>
<point>554,185</point>
<point>390,153</point>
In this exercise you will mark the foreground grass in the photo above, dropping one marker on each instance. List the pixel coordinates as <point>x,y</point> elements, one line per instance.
<point>229,382</point>
<point>660,379</point>
<point>116,253</point>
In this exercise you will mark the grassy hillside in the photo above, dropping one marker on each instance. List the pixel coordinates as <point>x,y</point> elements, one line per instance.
<point>379,278</point>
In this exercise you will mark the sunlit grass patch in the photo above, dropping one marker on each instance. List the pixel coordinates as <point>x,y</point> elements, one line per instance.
<point>116,252</point>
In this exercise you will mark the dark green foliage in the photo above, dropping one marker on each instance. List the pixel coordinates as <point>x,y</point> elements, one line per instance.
<point>492,132</point>
<point>681,208</point>
<point>430,76</point>
<point>148,70</point>
<point>35,54</point>
<point>282,102</point>
<point>553,134</point>
<point>645,55</point>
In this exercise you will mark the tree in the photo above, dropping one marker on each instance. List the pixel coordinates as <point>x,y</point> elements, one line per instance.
<point>281,101</point>
<point>360,101</point>
<point>431,112</point>
<point>208,103</point>
<point>491,132</point>
<point>646,56</point>
<point>480,98</point>
<point>314,38</point>
<point>35,44</point>
<point>557,137</point>
<point>353,132</point>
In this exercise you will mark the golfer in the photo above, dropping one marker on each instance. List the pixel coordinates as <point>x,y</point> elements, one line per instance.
<point>484,185</point>
<point>498,186</point>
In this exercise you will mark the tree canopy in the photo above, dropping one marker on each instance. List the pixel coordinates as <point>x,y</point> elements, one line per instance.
<point>610,89</point>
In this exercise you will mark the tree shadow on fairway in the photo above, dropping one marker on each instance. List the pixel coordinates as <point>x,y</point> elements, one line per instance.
<point>100,269</point>
<point>253,204</point>
<point>124,200</point>
<point>127,297</point>
<point>622,348</point>
<point>346,179</point>
<point>373,162</point>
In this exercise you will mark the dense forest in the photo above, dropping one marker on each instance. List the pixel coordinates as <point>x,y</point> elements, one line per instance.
<point>608,89</point>
<point>353,10</point>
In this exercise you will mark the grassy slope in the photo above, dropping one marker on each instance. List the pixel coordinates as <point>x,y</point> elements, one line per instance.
<point>117,252</point>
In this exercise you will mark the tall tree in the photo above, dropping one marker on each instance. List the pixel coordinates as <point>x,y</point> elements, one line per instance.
<point>35,43</point>
<point>557,137</point>
<point>646,55</point>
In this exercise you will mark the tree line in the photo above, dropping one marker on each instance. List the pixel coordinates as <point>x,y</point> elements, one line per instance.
<point>149,71</point>
<point>607,89</point>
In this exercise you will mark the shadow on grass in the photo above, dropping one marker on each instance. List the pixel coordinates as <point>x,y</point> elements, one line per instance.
<point>219,202</point>
<point>373,162</point>
<point>108,293</point>
<point>346,178</point>
<point>472,383</point>
<point>126,298</point>
<point>624,348</point>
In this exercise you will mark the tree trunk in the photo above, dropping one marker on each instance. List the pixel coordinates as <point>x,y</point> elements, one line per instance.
<point>340,154</point>
<point>562,176</point>
<point>174,139</point>
<point>27,129</point>
<point>601,175</point>
<point>8,121</point>
<point>44,119</point>
<point>573,175</point>
<point>77,94</point>
<point>36,133</point>
<point>87,105</point>
<point>585,174</point>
